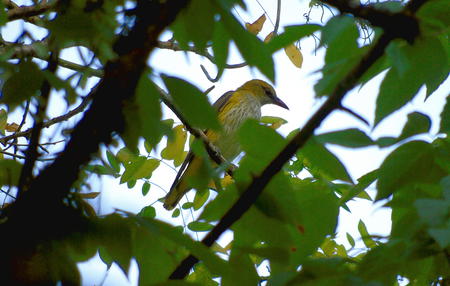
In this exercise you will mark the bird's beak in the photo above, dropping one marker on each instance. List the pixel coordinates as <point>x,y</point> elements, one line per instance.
<point>280,103</point>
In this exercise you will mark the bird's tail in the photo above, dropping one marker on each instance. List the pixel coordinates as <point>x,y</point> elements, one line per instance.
<point>175,194</point>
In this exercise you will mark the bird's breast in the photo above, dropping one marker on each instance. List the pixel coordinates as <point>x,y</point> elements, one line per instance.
<point>232,118</point>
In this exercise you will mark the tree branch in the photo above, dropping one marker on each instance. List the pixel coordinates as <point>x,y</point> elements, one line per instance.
<point>212,150</point>
<point>400,25</point>
<point>22,12</point>
<point>50,122</point>
<point>257,185</point>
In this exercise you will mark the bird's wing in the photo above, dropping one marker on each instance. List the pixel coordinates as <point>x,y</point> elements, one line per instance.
<point>221,102</point>
<point>183,167</point>
<point>218,105</point>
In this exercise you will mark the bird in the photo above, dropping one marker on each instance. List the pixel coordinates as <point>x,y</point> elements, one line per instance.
<point>234,108</point>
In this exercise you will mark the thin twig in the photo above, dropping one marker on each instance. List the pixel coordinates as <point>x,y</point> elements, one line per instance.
<point>32,152</point>
<point>50,122</point>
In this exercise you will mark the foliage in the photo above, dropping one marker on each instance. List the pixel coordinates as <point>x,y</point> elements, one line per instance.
<point>291,227</point>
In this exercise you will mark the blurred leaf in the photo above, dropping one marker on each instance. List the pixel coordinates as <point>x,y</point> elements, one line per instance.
<point>201,275</point>
<point>195,23</point>
<point>358,189</point>
<point>244,271</point>
<point>199,226</point>
<point>15,91</point>
<point>192,103</point>
<point>3,15</point>
<point>318,207</point>
<point>290,35</point>
<point>350,239</point>
<point>254,51</point>
<point>407,165</point>
<point>322,162</point>
<point>9,172</point>
<point>91,195</point>
<point>3,121</point>
<point>273,122</point>
<point>115,237</point>
<point>340,36</point>
<point>417,123</point>
<point>294,54</point>
<point>425,62</point>
<point>445,118</point>
<point>365,236</point>
<point>176,212</point>
<point>138,169</point>
<point>175,146</point>
<point>256,26</point>
<point>221,43</point>
<point>201,196</point>
<point>113,161</point>
<point>353,138</point>
<point>145,188</point>
<point>125,155</point>
<point>148,212</point>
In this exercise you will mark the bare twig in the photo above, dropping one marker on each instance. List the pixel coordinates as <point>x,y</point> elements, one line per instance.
<point>277,21</point>
<point>50,122</point>
<point>24,12</point>
<point>210,148</point>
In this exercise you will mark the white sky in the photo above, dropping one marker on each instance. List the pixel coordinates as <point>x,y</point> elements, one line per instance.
<point>295,87</point>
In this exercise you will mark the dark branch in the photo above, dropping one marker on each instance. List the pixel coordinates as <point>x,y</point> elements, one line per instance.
<point>29,11</point>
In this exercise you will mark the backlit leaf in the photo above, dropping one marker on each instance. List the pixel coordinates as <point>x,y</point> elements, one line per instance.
<point>192,103</point>
<point>294,54</point>
<point>256,26</point>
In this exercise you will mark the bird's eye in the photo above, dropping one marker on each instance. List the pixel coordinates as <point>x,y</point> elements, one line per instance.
<point>268,92</point>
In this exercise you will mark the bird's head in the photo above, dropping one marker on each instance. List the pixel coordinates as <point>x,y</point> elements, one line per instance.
<point>264,92</point>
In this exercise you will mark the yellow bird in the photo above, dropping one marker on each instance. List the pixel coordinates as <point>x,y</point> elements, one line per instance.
<point>233,107</point>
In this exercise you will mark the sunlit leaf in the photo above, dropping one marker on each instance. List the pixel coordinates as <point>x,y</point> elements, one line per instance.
<point>294,54</point>
<point>256,26</point>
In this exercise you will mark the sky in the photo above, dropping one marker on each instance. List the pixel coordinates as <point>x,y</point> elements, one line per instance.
<point>295,87</point>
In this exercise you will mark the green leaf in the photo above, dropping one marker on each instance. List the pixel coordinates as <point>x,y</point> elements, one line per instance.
<point>175,146</point>
<point>322,162</point>
<point>192,103</point>
<point>176,212</point>
<point>148,211</point>
<point>445,118</point>
<point>423,63</point>
<point>254,51</point>
<point>148,100</point>
<point>409,164</point>
<point>244,272</point>
<point>350,239</point>
<point>216,265</point>
<point>365,236</point>
<point>145,188</point>
<point>201,196</point>
<point>291,34</point>
<point>138,169</point>
<point>115,238</point>
<point>202,276</point>
<point>417,123</point>
<point>221,43</point>
<point>3,121</point>
<point>433,16</point>
<point>15,91</point>
<point>113,161</point>
<point>9,172</point>
<point>358,189</point>
<point>195,23</point>
<point>318,207</point>
<point>199,226</point>
<point>340,36</point>
<point>352,138</point>
<point>3,15</point>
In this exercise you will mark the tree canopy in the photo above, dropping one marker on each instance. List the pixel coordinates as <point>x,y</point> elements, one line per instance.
<point>283,200</point>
